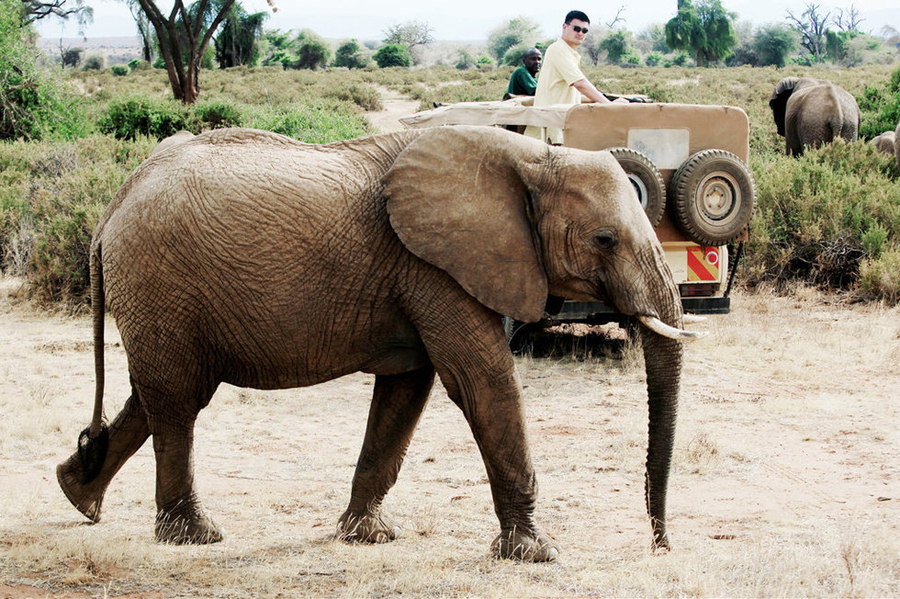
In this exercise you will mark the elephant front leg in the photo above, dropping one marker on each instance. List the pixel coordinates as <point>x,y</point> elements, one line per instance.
<point>397,404</point>
<point>180,518</point>
<point>492,407</point>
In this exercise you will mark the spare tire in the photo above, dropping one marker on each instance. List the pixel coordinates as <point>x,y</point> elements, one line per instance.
<point>712,197</point>
<point>646,179</point>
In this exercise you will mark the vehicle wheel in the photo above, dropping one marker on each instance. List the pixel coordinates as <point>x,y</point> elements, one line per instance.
<point>646,179</point>
<point>712,197</point>
<point>518,335</point>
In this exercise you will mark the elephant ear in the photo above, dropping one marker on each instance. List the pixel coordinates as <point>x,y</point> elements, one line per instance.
<point>457,199</point>
<point>778,101</point>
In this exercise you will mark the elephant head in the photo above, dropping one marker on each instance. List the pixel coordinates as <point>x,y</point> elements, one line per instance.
<point>811,112</point>
<point>513,219</point>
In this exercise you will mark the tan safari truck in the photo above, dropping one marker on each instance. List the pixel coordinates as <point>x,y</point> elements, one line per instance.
<point>688,165</point>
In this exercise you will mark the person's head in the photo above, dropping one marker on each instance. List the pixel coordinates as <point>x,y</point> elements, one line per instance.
<point>532,60</point>
<point>575,28</point>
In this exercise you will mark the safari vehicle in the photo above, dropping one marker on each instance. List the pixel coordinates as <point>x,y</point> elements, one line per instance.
<point>688,165</point>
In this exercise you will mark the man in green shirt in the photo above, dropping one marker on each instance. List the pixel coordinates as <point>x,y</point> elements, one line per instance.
<point>523,82</point>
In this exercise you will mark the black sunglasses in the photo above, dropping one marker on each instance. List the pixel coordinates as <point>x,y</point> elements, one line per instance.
<point>579,29</point>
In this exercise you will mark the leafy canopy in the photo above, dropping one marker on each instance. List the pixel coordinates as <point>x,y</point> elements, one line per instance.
<point>705,30</point>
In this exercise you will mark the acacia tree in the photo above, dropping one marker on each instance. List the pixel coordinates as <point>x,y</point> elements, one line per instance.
<point>812,27</point>
<point>197,24</point>
<point>521,32</point>
<point>239,39</point>
<point>34,10</point>
<point>704,30</point>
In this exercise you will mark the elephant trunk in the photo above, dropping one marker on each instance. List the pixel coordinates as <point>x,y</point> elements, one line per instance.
<point>662,359</point>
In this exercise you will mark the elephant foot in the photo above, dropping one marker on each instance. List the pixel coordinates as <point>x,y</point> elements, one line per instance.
<point>86,497</point>
<point>533,546</point>
<point>187,526</point>
<point>366,528</point>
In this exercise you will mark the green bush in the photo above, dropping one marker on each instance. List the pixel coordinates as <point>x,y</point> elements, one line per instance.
<point>32,104</point>
<point>880,105</point>
<point>820,216</point>
<point>93,63</point>
<point>365,97</point>
<point>314,122</point>
<point>119,70</point>
<point>51,196</point>
<point>350,55</point>
<point>880,277</point>
<point>392,55</point>
<point>313,52</point>
<point>134,116</point>
<point>218,115</point>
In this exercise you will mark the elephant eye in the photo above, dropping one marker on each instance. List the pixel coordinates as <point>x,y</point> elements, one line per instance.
<point>605,239</point>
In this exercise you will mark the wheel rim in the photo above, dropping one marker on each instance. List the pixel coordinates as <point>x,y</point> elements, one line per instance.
<point>717,197</point>
<point>640,188</point>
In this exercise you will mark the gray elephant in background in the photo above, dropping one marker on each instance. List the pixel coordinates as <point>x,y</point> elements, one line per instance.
<point>884,143</point>
<point>249,258</point>
<point>812,112</point>
<point>172,141</point>
<point>897,145</point>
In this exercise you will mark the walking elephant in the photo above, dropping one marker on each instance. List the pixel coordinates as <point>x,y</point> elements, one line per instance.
<point>246,257</point>
<point>812,112</point>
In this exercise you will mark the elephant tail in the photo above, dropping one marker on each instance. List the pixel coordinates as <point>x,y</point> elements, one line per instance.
<point>93,442</point>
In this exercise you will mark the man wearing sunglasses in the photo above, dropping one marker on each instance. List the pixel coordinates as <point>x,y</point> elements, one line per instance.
<point>560,80</point>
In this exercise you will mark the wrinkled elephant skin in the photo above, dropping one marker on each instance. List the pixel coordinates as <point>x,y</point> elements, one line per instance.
<point>248,258</point>
<point>812,112</point>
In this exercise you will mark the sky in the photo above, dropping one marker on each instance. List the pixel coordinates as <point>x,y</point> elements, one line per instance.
<point>469,20</point>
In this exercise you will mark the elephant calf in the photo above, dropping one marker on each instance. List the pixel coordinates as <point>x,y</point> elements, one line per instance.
<point>884,143</point>
<point>812,112</point>
<point>249,258</point>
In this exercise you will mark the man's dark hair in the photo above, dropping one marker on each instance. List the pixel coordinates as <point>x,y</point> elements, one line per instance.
<point>576,14</point>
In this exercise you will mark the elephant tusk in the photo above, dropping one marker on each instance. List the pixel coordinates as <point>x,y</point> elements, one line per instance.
<point>693,319</point>
<point>661,328</point>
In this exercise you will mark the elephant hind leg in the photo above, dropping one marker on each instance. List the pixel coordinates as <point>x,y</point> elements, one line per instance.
<point>397,404</point>
<point>181,519</point>
<point>86,489</point>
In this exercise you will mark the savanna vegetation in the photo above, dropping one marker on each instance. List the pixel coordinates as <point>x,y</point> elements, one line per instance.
<point>830,218</point>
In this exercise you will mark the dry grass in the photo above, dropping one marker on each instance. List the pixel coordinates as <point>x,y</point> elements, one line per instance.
<point>786,478</point>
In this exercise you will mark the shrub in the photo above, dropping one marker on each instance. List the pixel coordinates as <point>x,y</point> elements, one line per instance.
<point>93,63</point>
<point>32,104</point>
<point>365,97</point>
<point>119,70</point>
<point>880,106</point>
<point>51,196</point>
<point>880,277</point>
<point>218,115</point>
<point>822,215</point>
<point>653,59</point>
<point>312,51</point>
<point>350,55</point>
<point>134,116</point>
<point>392,55</point>
<point>312,122</point>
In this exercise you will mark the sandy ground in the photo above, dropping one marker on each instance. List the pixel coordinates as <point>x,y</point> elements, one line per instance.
<point>395,105</point>
<point>786,479</point>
